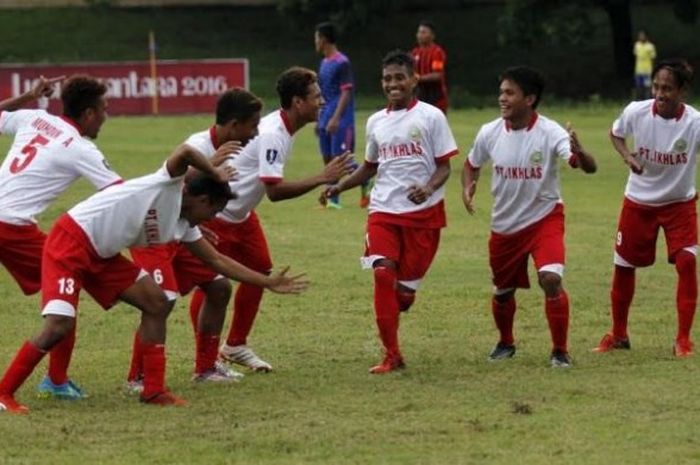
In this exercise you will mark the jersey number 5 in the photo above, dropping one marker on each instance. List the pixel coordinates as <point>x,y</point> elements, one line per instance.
<point>29,150</point>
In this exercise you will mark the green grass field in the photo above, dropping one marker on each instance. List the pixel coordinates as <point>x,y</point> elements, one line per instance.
<point>321,406</point>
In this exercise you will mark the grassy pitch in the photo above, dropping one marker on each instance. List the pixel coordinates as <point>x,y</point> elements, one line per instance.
<point>321,406</point>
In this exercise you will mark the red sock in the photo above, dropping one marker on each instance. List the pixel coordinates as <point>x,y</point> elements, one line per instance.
<point>196,304</point>
<point>136,368</point>
<point>153,369</point>
<point>386,308</point>
<point>207,351</point>
<point>686,293</point>
<point>21,367</point>
<point>405,299</point>
<point>621,298</point>
<point>557,310</point>
<point>245,307</point>
<point>503,315</point>
<point>59,358</point>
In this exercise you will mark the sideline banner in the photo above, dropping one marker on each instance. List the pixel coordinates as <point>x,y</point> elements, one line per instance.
<point>183,86</point>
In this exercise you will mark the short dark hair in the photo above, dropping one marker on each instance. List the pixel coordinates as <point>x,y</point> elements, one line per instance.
<point>328,31</point>
<point>199,183</point>
<point>294,82</point>
<point>530,81</point>
<point>398,57</point>
<point>679,67</point>
<point>79,93</point>
<point>237,103</point>
<point>427,23</point>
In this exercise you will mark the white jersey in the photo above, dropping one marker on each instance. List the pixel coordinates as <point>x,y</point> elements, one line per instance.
<point>407,144</point>
<point>47,155</point>
<point>260,162</point>
<point>141,212</point>
<point>667,148</point>
<point>525,177</point>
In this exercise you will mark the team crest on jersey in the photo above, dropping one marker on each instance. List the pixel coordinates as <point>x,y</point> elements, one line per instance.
<point>536,158</point>
<point>271,155</point>
<point>680,145</point>
<point>414,133</point>
<point>106,163</point>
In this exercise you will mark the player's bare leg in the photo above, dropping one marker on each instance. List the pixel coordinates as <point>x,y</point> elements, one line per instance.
<point>386,308</point>
<point>557,310</point>
<point>148,297</point>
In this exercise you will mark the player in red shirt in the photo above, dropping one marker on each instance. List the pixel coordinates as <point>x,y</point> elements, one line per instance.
<point>47,155</point>
<point>429,62</point>
<point>409,146</point>
<point>527,218</point>
<point>660,194</point>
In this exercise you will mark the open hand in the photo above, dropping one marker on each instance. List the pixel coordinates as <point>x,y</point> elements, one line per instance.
<point>338,167</point>
<point>225,152</point>
<point>44,87</point>
<point>283,284</point>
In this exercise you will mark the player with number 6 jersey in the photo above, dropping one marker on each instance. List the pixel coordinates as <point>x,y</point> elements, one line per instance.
<point>47,155</point>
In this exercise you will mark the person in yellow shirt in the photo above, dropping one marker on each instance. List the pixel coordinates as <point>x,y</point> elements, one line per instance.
<point>645,53</point>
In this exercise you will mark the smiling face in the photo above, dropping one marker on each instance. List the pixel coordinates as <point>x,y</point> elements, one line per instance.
<point>309,107</point>
<point>513,102</point>
<point>398,84</point>
<point>243,131</point>
<point>668,94</point>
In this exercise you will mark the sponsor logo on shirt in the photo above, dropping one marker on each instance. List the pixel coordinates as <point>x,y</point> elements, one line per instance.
<point>389,151</point>
<point>414,134</point>
<point>665,158</point>
<point>680,145</point>
<point>271,155</point>
<point>518,172</point>
<point>536,158</point>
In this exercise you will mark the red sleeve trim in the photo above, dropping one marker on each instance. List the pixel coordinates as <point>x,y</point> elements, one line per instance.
<point>448,155</point>
<point>270,180</point>
<point>469,165</point>
<point>118,181</point>
<point>346,86</point>
<point>574,161</point>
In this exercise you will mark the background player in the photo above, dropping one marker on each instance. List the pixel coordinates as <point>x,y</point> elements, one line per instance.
<point>260,167</point>
<point>644,54</point>
<point>430,60</point>
<point>336,123</point>
<point>177,271</point>
<point>409,146</point>
<point>528,213</point>
<point>47,155</point>
<point>660,193</point>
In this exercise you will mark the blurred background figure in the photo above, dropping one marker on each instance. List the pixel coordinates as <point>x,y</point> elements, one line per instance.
<point>429,61</point>
<point>644,53</point>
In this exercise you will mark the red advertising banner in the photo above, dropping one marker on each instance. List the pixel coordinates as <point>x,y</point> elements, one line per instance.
<point>190,86</point>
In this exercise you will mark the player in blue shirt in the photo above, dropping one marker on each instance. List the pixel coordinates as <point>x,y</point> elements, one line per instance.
<point>336,123</point>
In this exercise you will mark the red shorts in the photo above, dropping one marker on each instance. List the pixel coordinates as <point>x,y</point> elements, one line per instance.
<point>70,263</point>
<point>20,252</point>
<point>412,249</point>
<point>244,242</point>
<point>173,267</point>
<point>639,227</point>
<point>508,253</point>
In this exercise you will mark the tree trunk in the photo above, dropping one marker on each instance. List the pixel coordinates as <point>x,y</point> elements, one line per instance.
<point>621,25</point>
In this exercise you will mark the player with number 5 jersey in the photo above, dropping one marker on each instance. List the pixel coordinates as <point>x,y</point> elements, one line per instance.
<point>47,155</point>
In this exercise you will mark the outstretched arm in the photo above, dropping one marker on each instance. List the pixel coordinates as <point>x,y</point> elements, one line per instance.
<point>332,172</point>
<point>276,282</point>
<point>44,86</point>
<point>361,175</point>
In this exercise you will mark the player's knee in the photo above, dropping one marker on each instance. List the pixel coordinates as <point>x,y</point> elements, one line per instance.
<point>384,276</point>
<point>59,326</point>
<point>504,296</point>
<point>157,304</point>
<point>218,292</point>
<point>406,300</point>
<point>685,262</point>
<point>550,283</point>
